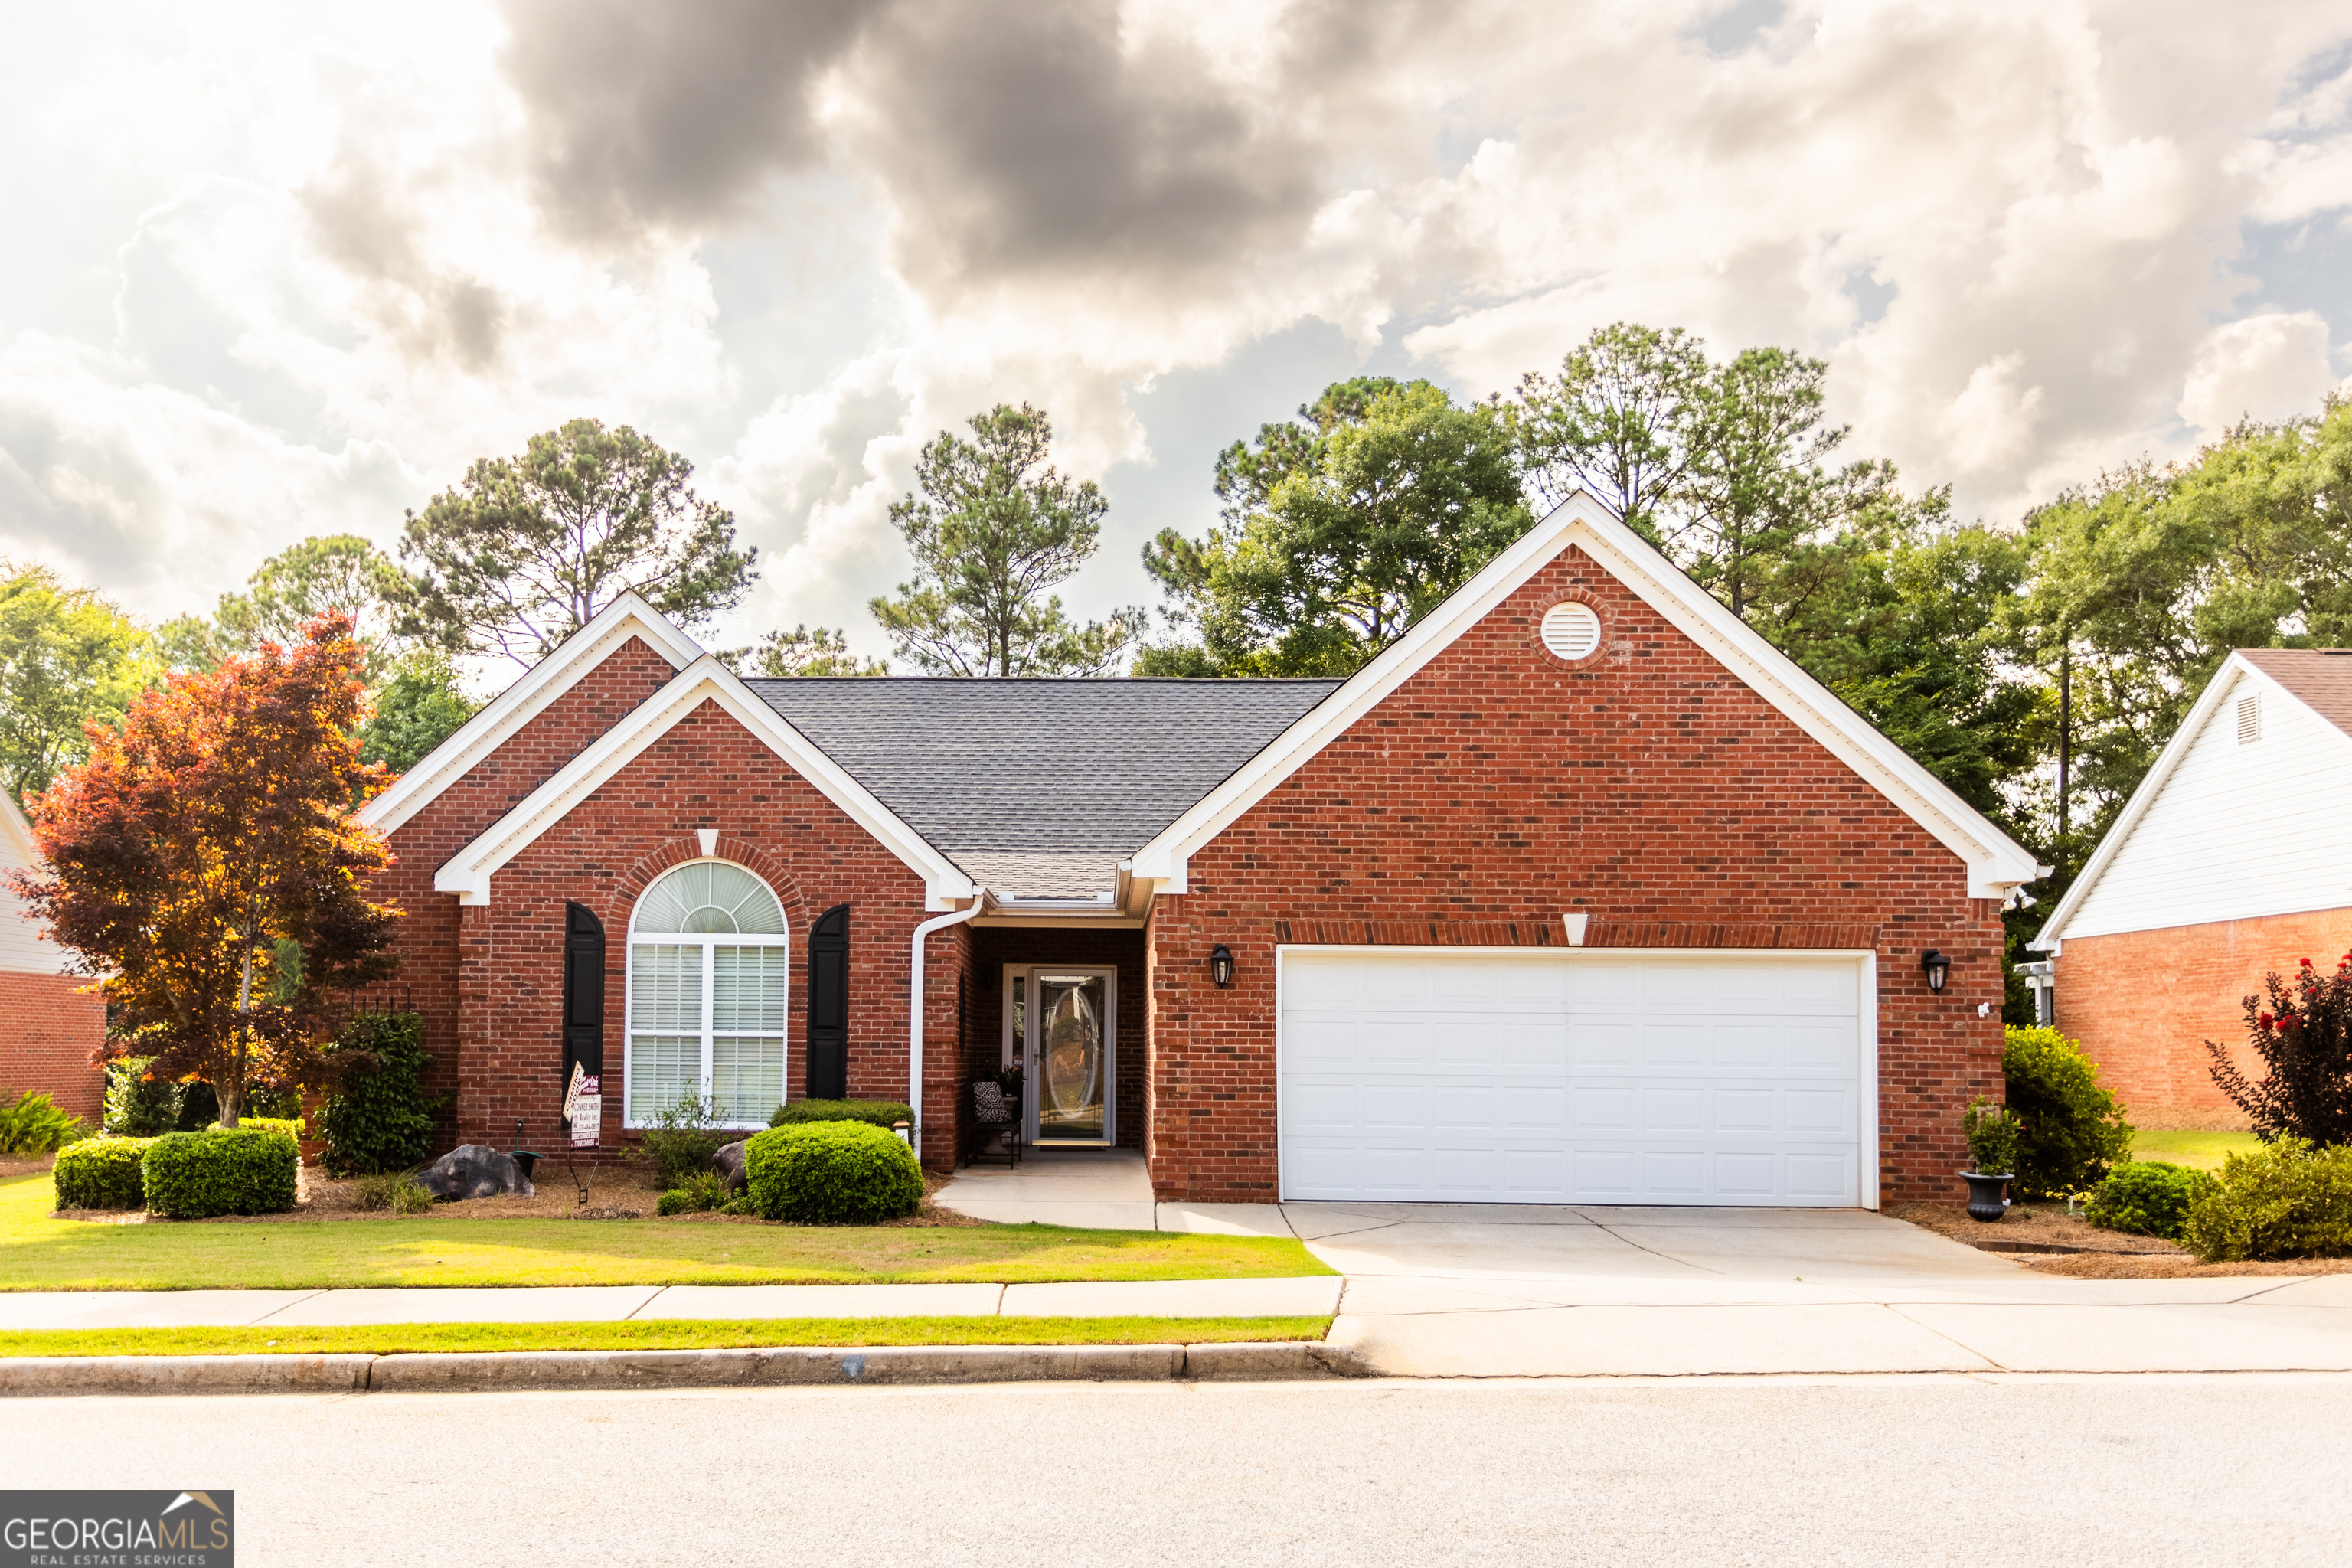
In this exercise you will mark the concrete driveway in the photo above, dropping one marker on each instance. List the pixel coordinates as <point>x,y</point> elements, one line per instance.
<point>1495,1290</point>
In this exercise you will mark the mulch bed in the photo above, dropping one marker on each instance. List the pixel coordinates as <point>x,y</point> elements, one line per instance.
<point>2099,1254</point>
<point>620,1191</point>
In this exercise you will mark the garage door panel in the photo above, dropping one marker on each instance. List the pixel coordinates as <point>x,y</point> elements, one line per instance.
<point>1641,1079</point>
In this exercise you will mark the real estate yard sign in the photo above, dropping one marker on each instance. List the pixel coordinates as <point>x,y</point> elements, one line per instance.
<point>583,1107</point>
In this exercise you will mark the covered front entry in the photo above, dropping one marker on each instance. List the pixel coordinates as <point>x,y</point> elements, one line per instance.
<point>1577,1075</point>
<point>1060,1029</point>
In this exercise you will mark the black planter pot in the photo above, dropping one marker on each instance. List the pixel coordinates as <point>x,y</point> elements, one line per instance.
<point>1985,1201</point>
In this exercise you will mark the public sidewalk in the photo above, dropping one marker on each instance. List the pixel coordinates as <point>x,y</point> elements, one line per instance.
<point>1298,1298</point>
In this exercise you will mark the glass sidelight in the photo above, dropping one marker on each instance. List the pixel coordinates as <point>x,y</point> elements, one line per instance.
<point>1059,1028</point>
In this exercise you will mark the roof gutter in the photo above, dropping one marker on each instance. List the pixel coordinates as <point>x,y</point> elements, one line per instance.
<point>980,900</point>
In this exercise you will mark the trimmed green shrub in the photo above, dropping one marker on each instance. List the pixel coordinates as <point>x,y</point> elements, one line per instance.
<point>2290,1199</point>
<point>195,1176</point>
<point>34,1125</point>
<point>102,1173</point>
<point>380,1118</point>
<point>2148,1197</point>
<point>683,1138</point>
<point>880,1113</point>
<point>832,1172</point>
<point>2071,1131</point>
<point>291,1126</point>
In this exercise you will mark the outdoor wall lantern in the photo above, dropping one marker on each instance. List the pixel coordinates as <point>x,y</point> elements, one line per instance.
<point>1936,967</point>
<point>1221,965</point>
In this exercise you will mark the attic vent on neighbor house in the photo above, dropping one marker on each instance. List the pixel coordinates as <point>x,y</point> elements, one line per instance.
<point>2250,718</point>
<point>1571,631</point>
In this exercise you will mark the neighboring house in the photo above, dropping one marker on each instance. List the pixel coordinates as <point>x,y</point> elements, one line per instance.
<point>48,1027</point>
<point>2230,861</point>
<point>1580,892</point>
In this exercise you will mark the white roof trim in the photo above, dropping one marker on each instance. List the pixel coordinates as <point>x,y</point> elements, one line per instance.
<point>626,617</point>
<point>20,832</point>
<point>2053,934</point>
<point>1996,862</point>
<point>468,872</point>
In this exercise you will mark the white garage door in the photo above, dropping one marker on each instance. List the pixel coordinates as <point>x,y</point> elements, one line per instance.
<point>1605,1076</point>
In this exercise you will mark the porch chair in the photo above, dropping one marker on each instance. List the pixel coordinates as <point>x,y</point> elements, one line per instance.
<point>1000,1123</point>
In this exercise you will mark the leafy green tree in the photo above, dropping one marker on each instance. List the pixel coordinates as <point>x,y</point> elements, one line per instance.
<point>1616,422</point>
<point>1339,532</point>
<point>528,549</point>
<point>337,571</point>
<point>67,658</point>
<point>802,652</point>
<point>421,704</point>
<point>993,531</point>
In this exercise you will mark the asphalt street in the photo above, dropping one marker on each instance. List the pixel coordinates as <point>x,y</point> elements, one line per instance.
<point>1920,1469</point>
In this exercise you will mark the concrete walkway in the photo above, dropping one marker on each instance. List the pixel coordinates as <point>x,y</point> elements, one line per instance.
<point>1299,1297</point>
<point>1098,1189</point>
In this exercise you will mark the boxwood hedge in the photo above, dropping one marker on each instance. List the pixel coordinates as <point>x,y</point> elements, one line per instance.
<point>882,1113</point>
<point>195,1176</point>
<point>101,1174</point>
<point>832,1172</point>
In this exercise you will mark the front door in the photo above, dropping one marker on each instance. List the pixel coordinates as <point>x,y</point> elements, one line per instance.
<point>1060,1029</point>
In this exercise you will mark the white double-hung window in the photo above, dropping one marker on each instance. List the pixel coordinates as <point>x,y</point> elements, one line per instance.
<point>708,963</point>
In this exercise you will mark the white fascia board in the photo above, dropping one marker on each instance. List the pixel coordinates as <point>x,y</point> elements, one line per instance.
<point>2053,936</point>
<point>626,617</point>
<point>19,834</point>
<point>1995,862</point>
<point>468,873</point>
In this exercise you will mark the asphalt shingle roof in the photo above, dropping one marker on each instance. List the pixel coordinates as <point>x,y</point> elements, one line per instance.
<point>2321,678</point>
<point>1082,772</point>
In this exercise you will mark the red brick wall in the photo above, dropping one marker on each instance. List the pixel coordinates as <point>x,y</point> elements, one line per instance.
<point>1646,787</point>
<point>2143,1004</point>
<point>710,771</point>
<point>47,1040</point>
<point>429,936</point>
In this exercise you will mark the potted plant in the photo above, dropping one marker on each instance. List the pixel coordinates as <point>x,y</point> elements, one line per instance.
<point>1992,1153</point>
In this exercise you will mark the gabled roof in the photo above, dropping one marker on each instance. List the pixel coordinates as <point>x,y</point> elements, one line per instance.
<point>2318,679</point>
<point>627,616</point>
<point>1041,767</point>
<point>1996,863</point>
<point>468,872</point>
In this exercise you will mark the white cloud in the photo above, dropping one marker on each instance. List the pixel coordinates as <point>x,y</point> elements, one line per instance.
<point>301,264</point>
<point>2262,368</point>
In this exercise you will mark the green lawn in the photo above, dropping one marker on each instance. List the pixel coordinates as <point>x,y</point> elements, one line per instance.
<point>39,1253</point>
<point>2203,1150</point>
<point>396,1338</point>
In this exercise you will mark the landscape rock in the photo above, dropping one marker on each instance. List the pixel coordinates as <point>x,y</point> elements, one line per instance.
<point>729,1162</point>
<point>475,1171</point>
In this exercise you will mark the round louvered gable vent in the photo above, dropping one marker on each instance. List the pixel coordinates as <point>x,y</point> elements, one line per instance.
<point>1571,631</point>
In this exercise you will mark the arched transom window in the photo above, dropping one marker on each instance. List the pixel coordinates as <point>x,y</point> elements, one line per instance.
<point>708,957</point>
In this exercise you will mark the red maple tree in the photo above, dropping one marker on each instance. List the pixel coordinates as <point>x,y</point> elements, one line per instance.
<point>216,824</point>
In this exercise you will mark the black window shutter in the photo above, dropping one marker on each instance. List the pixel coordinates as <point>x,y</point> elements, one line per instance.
<point>828,1009</point>
<point>583,989</point>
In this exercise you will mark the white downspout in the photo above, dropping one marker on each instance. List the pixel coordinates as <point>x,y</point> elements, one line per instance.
<point>915,1006</point>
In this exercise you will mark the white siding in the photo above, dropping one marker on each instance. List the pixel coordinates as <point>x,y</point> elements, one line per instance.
<point>21,949</point>
<point>2239,830</point>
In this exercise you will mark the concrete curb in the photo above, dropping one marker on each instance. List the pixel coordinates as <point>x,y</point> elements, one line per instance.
<point>783,1366</point>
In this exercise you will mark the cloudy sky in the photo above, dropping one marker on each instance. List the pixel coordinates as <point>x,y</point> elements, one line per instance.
<point>272,270</point>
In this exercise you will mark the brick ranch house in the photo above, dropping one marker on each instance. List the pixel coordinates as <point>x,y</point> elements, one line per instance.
<point>1580,892</point>
<point>48,1025</point>
<point>2230,861</point>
